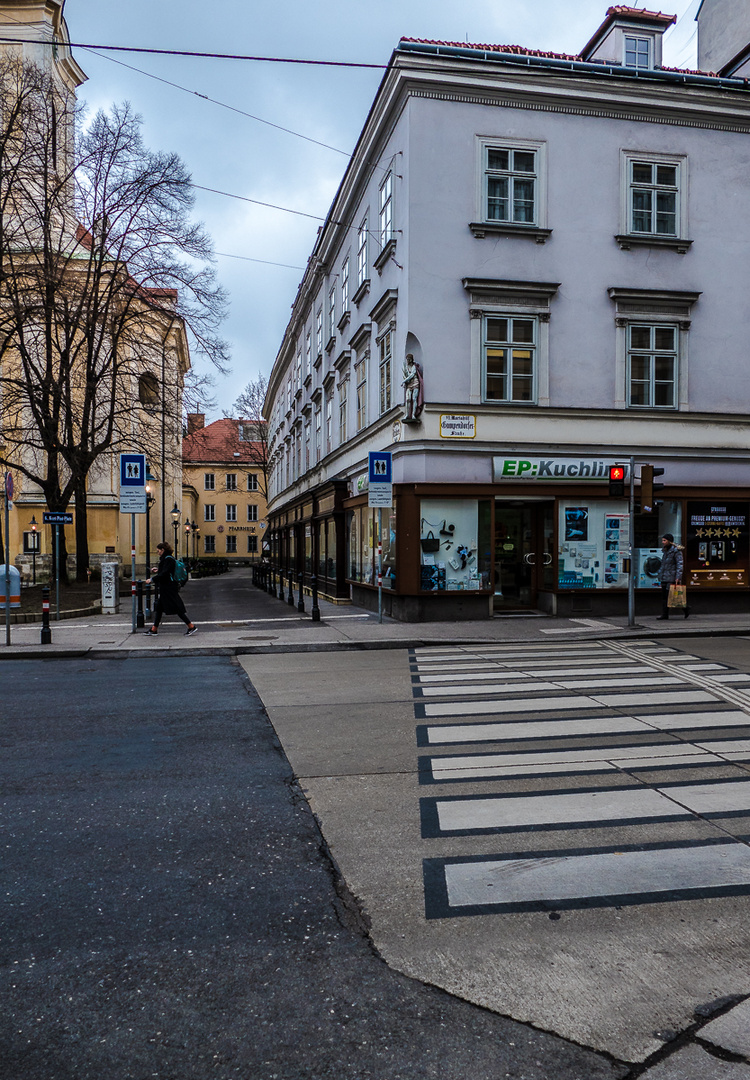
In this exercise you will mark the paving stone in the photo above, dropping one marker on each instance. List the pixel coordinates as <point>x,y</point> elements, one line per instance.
<point>731,1031</point>
<point>693,1063</point>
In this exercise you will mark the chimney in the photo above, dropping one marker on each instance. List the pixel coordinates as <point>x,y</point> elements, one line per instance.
<point>195,421</point>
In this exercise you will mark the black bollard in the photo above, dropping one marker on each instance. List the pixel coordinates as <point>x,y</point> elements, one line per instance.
<point>272,585</point>
<point>315,610</point>
<point>301,598</point>
<point>290,600</point>
<point>140,621</point>
<point>46,632</point>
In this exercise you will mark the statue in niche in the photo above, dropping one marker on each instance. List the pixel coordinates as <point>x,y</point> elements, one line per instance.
<point>413,384</point>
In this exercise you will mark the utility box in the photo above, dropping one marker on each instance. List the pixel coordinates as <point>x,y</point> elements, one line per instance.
<point>110,588</point>
<point>15,588</point>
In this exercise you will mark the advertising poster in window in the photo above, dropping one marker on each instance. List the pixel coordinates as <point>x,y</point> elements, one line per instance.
<point>717,551</point>
<point>595,541</point>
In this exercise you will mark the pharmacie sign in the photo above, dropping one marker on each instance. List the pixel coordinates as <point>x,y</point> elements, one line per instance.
<point>557,468</point>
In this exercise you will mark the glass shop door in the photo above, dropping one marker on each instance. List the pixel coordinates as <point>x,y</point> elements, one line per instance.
<point>524,553</point>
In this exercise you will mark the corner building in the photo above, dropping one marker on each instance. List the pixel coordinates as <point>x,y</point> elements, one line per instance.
<point>561,244</point>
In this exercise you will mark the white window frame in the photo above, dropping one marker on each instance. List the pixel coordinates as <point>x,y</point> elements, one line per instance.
<point>484,173</point>
<point>360,379</point>
<point>209,545</point>
<point>511,346</point>
<point>385,365</point>
<point>362,254</point>
<point>308,353</point>
<point>252,512</point>
<point>209,512</point>
<point>318,433</point>
<point>345,286</point>
<point>629,158</point>
<point>319,332</point>
<point>231,510</point>
<point>252,482</point>
<point>639,41</point>
<point>231,544</point>
<point>332,312</point>
<point>209,481</point>
<point>385,214</point>
<point>652,353</point>
<point>231,481</point>
<point>343,406</point>
<point>328,421</point>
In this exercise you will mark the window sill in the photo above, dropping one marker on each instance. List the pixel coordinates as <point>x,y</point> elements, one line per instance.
<point>341,324</point>
<point>629,240</point>
<point>480,229</point>
<point>385,255</point>
<point>318,361</point>
<point>361,292</point>
<point>331,343</point>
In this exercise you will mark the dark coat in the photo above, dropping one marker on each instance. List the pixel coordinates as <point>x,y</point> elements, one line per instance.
<point>670,570</point>
<point>170,601</point>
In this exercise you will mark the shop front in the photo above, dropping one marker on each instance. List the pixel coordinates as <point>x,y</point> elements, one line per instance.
<point>308,538</point>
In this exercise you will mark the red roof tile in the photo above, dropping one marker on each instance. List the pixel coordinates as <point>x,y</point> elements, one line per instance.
<point>218,443</point>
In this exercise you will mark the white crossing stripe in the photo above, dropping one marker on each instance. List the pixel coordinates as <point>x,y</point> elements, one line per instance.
<point>537,729</point>
<point>579,877</point>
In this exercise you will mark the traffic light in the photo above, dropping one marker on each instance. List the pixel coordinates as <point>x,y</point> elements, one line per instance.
<point>648,487</point>
<point>617,481</point>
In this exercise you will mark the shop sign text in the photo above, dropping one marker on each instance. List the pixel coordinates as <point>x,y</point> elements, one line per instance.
<point>537,468</point>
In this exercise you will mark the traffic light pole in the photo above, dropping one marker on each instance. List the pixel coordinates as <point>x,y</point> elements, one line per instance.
<point>631,533</point>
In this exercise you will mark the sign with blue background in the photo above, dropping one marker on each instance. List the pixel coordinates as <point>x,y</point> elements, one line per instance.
<point>132,470</point>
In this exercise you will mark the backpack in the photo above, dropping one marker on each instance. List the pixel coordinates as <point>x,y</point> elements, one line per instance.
<point>179,574</point>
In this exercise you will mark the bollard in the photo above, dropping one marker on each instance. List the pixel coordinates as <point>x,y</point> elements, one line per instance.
<point>140,620</point>
<point>272,581</point>
<point>290,601</point>
<point>46,632</point>
<point>315,610</point>
<point>282,598</point>
<point>301,599</point>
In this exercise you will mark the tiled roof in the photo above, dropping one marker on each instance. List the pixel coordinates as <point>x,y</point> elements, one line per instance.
<point>218,443</point>
<point>518,50</point>
<point>619,11</point>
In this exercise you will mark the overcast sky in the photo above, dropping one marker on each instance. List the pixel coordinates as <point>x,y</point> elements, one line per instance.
<point>245,156</point>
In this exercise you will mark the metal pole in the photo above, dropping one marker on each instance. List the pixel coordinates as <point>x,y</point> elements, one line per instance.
<point>57,573</point>
<point>315,610</point>
<point>46,632</point>
<point>7,568</point>
<point>134,619</point>
<point>380,565</point>
<point>301,596</point>
<point>631,532</point>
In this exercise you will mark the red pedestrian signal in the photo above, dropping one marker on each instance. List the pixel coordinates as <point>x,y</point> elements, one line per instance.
<point>617,481</point>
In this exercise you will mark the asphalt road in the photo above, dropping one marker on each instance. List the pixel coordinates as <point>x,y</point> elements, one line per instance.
<point>169,909</point>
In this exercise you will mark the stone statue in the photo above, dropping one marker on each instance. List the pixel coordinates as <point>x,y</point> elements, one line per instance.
<point>413,384</point>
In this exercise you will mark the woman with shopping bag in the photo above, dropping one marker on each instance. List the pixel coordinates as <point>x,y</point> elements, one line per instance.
<point>670,575</point>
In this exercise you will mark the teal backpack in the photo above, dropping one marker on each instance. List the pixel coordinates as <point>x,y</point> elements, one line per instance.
<point>179,574</point>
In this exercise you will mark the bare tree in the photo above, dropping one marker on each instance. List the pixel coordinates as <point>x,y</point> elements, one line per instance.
<point>248,409</point>
<point>104,281</point>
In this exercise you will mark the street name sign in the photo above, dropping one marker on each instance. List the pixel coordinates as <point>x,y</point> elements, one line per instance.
<point>55,517</point>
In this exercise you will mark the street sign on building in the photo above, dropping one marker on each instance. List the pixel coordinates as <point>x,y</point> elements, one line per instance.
<point>132,483</point>
<point>54,517</point>
<point>380,479</point>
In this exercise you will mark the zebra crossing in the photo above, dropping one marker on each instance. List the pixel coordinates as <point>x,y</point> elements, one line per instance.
<point>566,775</point>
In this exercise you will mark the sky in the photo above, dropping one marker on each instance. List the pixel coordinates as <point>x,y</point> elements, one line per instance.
<point>247,141</point>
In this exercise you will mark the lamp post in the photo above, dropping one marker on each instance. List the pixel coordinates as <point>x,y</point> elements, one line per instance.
<point>193,530</point>
<point>196,541</point>
<point>150,500</point>
<point>175,525</point>
<point>34,542</point>
<point>187,542</point>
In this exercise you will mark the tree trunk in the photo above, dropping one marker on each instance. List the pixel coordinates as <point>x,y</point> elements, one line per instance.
<point>82,535</point>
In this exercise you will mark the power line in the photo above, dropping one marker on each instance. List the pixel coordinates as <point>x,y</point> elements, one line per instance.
<point>257,202</point>
<point>203,55</point>
<point>266,262</point>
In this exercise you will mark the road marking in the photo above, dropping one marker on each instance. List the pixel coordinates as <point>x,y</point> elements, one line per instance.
<point>549,880</point>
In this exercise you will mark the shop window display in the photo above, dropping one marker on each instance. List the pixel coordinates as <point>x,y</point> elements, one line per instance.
<point>455,545</point>
<point>362,530</point>
<point>594,541</point>
<point>717,550</point>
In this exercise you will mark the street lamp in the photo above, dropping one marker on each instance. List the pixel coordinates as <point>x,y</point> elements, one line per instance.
<point>175,525</point>
<point>34,542</point>
<point>187,540</point>
<point>196,534</point>
<point>150,500</point>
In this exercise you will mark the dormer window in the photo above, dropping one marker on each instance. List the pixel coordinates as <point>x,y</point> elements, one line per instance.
<point>637,53</point>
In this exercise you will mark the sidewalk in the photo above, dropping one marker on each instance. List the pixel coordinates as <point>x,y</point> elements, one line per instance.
<point>236,618</point>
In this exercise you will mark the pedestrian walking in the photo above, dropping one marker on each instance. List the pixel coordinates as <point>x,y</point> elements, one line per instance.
<point>169,602</point>
<point>670,571</point>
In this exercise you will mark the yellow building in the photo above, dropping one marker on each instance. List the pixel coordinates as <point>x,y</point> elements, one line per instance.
<point>151,351</point>
<point>224,491</point>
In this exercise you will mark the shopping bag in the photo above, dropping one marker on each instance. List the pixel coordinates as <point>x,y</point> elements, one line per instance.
<point>677,596</point>
<point>430,543</point>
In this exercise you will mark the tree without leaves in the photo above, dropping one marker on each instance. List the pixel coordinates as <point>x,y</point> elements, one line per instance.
<point>248,409</point>
<point>104,278</point>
